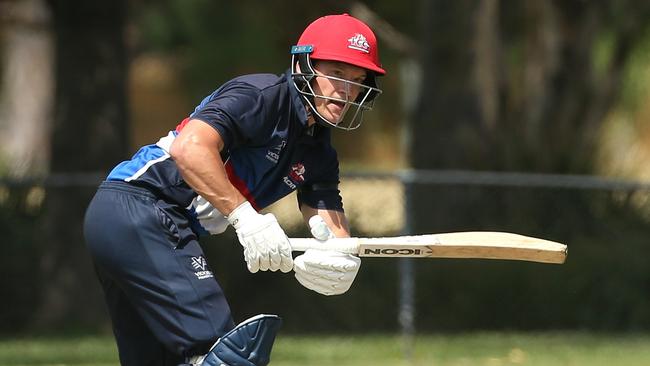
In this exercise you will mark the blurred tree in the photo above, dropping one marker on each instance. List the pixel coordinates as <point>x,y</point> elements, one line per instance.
<point>516,85</point>
<point>88,134</point>
<point>447,115</point>
<point>522,86</point>
<point>206,53</point>
<point>26,93</point>
<point>218,40</point>
<point>27,87</point>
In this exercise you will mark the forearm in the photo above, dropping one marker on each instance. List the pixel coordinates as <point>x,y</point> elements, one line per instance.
<point>335,220</point>
<point>196,153</point>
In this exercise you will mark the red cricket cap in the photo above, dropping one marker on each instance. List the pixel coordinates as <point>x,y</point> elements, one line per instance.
<point>342,38</point>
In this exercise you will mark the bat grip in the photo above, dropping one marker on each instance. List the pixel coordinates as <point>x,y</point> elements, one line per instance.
<point>343,245</point>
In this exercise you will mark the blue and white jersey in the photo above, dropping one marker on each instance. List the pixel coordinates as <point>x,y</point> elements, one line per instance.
<point>268,151</point>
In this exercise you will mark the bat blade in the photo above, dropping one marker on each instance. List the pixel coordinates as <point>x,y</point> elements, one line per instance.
<point>474,244</point>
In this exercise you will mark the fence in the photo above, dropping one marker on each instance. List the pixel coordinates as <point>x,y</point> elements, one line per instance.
<point>603,285</point>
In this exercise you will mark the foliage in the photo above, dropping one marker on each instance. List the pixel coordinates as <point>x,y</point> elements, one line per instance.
<point>221,40</point>
<point>635,87</point>
<point>19,262</point>
<point>210,48</point>
<point>534,100</point>
<point>535,97</point>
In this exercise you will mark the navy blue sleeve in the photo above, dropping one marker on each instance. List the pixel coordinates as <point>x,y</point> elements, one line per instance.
<point>323,192</point>
<point>236,111</point>
<point>322,197</point>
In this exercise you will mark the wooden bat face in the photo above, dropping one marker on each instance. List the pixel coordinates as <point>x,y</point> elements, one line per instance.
<point>475,244</point>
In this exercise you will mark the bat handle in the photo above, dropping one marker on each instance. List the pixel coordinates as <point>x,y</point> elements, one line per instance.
<point>343,245</point>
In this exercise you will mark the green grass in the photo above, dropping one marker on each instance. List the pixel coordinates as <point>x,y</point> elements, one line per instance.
<point>482,349</point>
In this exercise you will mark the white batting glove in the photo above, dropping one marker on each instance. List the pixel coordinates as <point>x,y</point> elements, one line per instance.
<point>266,246</point>
<point>209,217</point>
<point>319,228</point>
<point>326,272</point>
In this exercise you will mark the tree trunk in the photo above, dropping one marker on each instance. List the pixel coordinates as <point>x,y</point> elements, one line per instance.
<point>448,115</point>
<point>511,85</point>
<point>89,134</point>
<point>27,87</point>
<point>447,131</point>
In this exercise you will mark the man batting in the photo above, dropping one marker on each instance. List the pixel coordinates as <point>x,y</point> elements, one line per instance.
<point>251,142</point>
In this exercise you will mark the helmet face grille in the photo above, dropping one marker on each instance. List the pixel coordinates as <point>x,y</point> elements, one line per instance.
<point>352,114</point>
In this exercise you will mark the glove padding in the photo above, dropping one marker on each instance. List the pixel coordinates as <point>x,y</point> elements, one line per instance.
<point>266,246</point>
<point>319,228</point>
<point>209,217</point>
<point>326,272</point>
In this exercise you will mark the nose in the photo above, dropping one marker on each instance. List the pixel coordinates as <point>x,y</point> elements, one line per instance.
<point>346,91</point>
<point>342,89</point>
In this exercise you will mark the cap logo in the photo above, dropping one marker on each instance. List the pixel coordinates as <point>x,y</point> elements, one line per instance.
<point>358,42</point>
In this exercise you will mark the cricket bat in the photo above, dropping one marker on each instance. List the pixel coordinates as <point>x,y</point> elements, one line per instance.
<point>470,244</point>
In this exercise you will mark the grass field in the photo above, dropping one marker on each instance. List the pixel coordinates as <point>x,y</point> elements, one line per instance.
<point>482,349</point>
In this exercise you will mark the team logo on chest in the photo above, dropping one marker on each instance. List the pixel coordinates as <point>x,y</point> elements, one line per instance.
<point>296,176</point>
<point>297,172</point>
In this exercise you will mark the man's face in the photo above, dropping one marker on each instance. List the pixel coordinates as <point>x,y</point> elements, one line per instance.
<point>341,91</point>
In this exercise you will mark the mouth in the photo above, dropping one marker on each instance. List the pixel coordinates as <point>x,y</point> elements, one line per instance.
<point>337,107</point>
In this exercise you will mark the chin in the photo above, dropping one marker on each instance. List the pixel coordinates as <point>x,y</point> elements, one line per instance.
<point>330,117</point>
<point>334,120</point>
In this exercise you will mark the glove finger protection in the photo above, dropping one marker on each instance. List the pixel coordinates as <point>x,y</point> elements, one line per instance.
<point>321,288</point>
<point>266,246</point>
<point>326,272</point>
<point>326,285</point>
<point>251,258</point>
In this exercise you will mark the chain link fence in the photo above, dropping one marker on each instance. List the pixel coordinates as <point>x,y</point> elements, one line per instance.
<point>604,285</point>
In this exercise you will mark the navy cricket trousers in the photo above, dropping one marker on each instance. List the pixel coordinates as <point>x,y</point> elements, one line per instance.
<point>162,297</point>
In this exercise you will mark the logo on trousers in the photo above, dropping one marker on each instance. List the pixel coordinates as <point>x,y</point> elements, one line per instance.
<point>200,266</point>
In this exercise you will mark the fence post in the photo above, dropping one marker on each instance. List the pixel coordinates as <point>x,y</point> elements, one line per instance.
<point>406,278</point>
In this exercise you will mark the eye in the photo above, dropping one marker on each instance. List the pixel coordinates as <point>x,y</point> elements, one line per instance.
<point>337,72</point>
